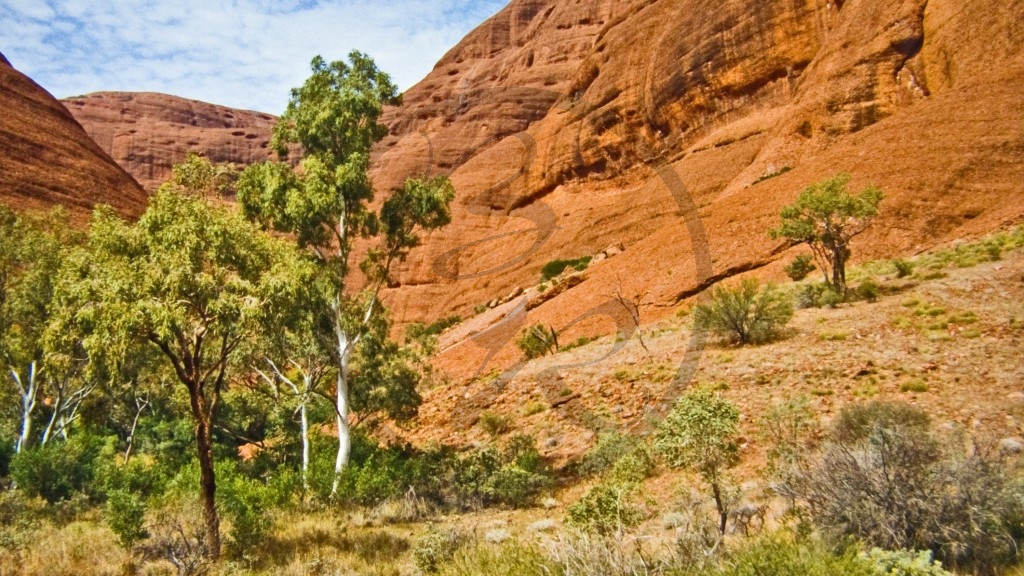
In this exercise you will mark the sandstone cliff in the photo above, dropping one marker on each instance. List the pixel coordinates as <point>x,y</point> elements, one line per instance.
<point>46,158</point>
<point>569,127</point>
<point>147,133</point>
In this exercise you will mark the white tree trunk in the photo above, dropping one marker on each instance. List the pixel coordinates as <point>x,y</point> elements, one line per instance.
<point>304,424</point>
<point>140,405</point>
<point>344,433</point>
<point>28,404</point>
<point>58,409</point>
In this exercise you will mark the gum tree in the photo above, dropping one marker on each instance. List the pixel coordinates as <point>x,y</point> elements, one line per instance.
<point>324,204</point>
<point>827,218</point>
<point>194,283</point>
<point>32,247</point>
<point>700,434</point>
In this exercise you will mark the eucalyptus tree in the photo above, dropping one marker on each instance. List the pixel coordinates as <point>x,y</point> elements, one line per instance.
<point>32,247</point>
<point>325,203</point>
<point>195,283</point>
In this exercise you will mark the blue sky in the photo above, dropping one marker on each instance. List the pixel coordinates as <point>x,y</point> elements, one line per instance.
<point>239,53</point>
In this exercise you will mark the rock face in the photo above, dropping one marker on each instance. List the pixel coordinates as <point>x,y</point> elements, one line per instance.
<point>46,158</point>
<point>147,133</point>
<point>679,128</point>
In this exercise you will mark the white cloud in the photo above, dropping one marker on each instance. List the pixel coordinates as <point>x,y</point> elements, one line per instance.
<point>240,53</point>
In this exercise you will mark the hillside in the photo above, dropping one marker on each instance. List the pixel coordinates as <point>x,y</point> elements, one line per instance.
<point>147,133</point>
<point>46,158</point>
<point>572,127</point>
<point>947,339</point>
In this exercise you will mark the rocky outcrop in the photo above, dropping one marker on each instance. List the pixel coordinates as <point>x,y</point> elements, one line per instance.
<point>46,158</point>
<point>147,133</point>
<point>680,127</point>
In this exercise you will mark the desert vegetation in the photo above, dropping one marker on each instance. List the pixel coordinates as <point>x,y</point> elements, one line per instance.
<point>214,389</point>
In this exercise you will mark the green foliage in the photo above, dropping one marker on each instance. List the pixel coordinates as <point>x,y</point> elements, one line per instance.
<point>418,330</point>
<point>746,313</point>
<point>58,470</point>
<point>609,449</point>
<point>771,174</point>
<point>509,559</point>
<point>126,514</point>
<point>33,247</point>
<point>494,424</point>
<point>514,475</point>
<point>826,218</point>
<point>700,433</point>
<point>817,296</point>
<point>185,266</point>
<point>192,280</point>
<point>384,376</point>
<point>523,474</point>
<point>903,267</point>
<point>556,267</point>
<point>611,507</point>
<point>247,504</point>
<point>197,175</point>
<point>6,453</point>
<point>782,555</point>
<point>800,267</point>
<point>607,508</point>
<point>325,205</point>
<point>868,290</point>
<point>538,340</point>
<point>903,563</point>
<point>334,114</point>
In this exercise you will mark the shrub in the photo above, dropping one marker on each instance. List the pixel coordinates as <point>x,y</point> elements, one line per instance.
<point>436,548</point>
<point>607,509</point>
<point>700,434</point>
<point>538,340</point>
<point>780,554</point>
<point>884,478</point>
<point>247,504</point>
<point>609,449</point>
<point>903,267</point>
<point>800,267</point>
<point>418,330</point>
<point>178,535</point>
<point>125,515</point>
<point>790,430</point>
<point>903,563</point>
<point>523,475</point>
<point>494,424</point>
<point>588,554</point>
<point>57,470</point>
<point>817,296</point>
<point>746,313</point>
<point>556,267</point>
<point>868,290</point>
<point>513,476</point>
<point>509,559</point>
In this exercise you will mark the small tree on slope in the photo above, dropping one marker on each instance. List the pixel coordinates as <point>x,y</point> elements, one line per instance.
<point>827,218</point>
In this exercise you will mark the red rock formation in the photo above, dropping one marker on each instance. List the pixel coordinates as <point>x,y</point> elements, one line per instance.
<point>650,123</point>
<point>46,158</point>
<point>147,133</point>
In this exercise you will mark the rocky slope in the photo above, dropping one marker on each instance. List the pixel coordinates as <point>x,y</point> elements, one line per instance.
<point>570,127</point>
<point>46,158</point>
<point>147,133</point>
